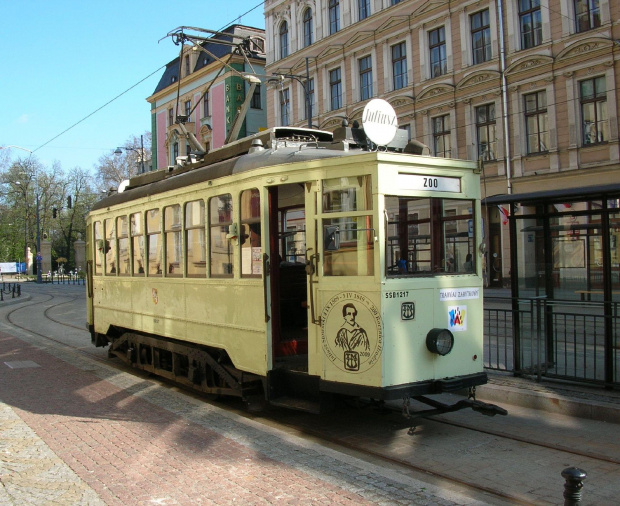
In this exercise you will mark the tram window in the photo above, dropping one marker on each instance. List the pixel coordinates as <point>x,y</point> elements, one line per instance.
<point>345,194</point>
<point>137,239</point>
<point>153,242</point>
<point>172,229</point>
<point>354,254</point>
<point>221,252</point>
<point>122,240</point>
<point>429,236</point>
<point>110,247</point>
<point>99,247</point>
<point>250,234</point>
<point>195,239</point>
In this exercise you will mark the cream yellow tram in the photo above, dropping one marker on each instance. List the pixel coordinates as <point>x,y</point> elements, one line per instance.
<point>294,265</point>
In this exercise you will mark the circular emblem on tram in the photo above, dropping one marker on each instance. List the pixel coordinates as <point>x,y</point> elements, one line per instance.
<point>351,332</point>
<point>379,121</point>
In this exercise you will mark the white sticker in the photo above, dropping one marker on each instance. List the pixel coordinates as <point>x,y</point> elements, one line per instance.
<point>446,294</point>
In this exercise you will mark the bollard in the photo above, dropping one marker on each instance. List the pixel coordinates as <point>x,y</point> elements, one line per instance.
<point>19,290</point>
<point>572,487</point>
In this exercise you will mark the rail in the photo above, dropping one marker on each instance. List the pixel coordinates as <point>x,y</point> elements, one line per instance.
<point>564,339</point>
<point>64,279</point>
<point>12,289</point>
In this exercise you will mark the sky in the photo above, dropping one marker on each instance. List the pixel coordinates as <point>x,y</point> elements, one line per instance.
<point>63,60</point>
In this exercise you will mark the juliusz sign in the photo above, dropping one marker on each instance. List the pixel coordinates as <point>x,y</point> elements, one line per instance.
<point>380,122</point>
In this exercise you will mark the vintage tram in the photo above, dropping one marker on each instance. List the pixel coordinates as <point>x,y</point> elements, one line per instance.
<point>294,266</point>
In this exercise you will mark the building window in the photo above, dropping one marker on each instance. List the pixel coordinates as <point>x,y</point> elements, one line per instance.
<point>594,110</point>
<point>284,108</point>
<point>335,87</point>
<point>284,39</point>
<point>175,152</point>
<point>255,103</point>
<point>530,23</point>
<point>364,9</point>
<point>334,16</point>
<point>441,136</point>
<point>399,65</point>
<point>365,78</point>
<point>170,117</point>
<point>481,36</point>
<point>485,130</point>
<point>186,64</point>
<point>394,2</point>
<point>587,15</point>
<point>536,122</point>
<point>188,109</point>
<point>308,27</point>
<point>437,46</point>
<point>205,105</point>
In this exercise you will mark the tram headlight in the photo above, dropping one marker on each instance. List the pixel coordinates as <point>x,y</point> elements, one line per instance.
<point>440,341</point>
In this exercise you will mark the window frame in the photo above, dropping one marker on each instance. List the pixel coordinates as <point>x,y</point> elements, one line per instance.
<point>599,102</point>
<point>250,220</point>
<point>445,135</point>
<point>334,16</point>
<point>530,10</point>
<point>490,127</point>
<point>285,107</point>
<point>480,32</point>
<point>283,42</point>
<point>364,65</point>
<point>188,230</point>
<point>335,85</point>
<point>220,224</point>
<point>537,119</point>
<point>363,9</point>
<point>438,52</point>
<point>591,14</point>
<point>308,27</point>
<point>399,66</point>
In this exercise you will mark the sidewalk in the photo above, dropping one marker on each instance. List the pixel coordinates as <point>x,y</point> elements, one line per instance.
<point>87,434</point>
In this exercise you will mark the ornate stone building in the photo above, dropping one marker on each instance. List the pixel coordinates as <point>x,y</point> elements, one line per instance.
<point>528,87</point>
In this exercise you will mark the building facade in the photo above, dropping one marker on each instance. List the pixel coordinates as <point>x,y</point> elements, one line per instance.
<point>205,84</point>
<point>527,87</point>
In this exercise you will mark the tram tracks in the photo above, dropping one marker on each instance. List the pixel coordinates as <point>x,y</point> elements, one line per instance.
<point>329,429</point>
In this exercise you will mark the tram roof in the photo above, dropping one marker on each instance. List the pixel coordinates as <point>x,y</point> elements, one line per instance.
<point>551,196</point>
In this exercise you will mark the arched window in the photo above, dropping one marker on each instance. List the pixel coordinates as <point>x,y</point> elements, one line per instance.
<point>308,27</point>
<point>284,39</point>
<point>334,16</point>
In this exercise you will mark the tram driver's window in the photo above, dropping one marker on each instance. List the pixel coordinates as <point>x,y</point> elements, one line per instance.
<point>110,248</point>
<point>221,248</point>
<point>196,262</point>
<point>172,228</point>
<point>153,242</point>
<point>99,247</point>
<point>122,237</point>
<point>250,234</point>
<point>428,237</point>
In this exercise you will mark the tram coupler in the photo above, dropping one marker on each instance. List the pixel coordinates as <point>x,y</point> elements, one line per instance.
<point>439,408</point>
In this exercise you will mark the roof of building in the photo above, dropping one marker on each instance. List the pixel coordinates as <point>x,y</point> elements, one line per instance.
<point>171,74</point>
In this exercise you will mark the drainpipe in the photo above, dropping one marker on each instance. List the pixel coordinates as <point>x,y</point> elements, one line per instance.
<point>502,60</point>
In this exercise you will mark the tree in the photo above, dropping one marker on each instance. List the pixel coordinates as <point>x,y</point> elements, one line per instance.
<point>113,169</point>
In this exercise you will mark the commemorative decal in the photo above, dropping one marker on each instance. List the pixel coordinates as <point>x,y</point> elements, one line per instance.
<point>351,332</point>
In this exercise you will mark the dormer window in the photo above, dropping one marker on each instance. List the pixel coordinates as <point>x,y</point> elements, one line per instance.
<point>173,79</point>
<point>187,72</point>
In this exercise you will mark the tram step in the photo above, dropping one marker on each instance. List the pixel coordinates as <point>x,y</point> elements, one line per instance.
<point>305,405</point>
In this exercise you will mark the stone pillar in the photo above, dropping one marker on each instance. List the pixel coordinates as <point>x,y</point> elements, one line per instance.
<point>46,253</point>
<point>29,262</point>
<point>79,248</point>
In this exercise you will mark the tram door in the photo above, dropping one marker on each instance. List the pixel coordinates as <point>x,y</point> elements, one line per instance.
<point>288,280</point>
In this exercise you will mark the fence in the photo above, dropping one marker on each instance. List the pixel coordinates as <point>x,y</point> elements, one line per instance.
<point>64,279</point>
<point>554,338</point>
<point>12,289</point>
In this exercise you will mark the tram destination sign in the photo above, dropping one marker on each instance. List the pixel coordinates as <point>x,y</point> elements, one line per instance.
<point>429,183</point>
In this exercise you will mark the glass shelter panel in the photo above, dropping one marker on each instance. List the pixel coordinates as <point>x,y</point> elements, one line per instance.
<point>195,239</point>
<point>220,220</point>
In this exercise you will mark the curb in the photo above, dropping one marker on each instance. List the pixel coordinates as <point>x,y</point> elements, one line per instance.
<point>552,402</point>
<point>16,300</point>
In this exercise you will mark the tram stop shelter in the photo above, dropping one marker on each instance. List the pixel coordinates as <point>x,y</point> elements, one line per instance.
<point>565,284</point>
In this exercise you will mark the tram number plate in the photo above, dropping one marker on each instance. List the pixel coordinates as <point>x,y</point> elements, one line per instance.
<point>397,295</point>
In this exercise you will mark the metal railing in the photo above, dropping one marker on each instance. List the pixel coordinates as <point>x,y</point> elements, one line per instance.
<point>64,279</point>
<point>553,338</point>
<point>12,289</point>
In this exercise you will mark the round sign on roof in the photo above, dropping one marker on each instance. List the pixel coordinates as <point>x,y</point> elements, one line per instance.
<point>379,122</point>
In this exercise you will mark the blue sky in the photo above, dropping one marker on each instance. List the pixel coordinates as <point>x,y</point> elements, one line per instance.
<point>64,59</point>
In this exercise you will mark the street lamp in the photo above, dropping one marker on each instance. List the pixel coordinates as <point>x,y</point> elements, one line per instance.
<point>119,151</point>
<point>39,258</point>
<point>304,81</point>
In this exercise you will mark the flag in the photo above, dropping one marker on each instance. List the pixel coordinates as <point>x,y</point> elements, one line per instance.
<point>505,214</point>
